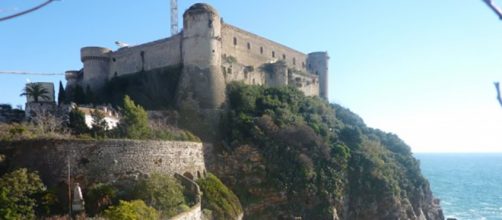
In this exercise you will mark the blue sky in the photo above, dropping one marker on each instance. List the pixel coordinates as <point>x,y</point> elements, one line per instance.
<point>422,69</point>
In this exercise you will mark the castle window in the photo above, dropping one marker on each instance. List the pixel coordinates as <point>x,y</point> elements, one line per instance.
<point>254,81</point>
<point>303,64</point>
<point>249,46</point>
<point>113,59</point>
<point>261,50</point>
<point>235,41</point>
<point>284,56</point>
<point>273,54</point>
<point>294,61</point>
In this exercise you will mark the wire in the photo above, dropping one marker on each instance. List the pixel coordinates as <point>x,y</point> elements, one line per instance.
<point>27,11</point>
<point>30,73</point>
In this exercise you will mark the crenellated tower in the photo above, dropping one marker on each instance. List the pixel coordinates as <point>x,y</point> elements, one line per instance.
<point>317,63</point>
<point>202,79</point>
<point>96,67</point>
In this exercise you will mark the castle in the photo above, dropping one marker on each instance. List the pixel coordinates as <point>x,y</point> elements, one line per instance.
<point>211,54</point>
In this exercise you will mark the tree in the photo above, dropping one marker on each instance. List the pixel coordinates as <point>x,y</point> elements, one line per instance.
<point>77,122</point>
<point>134,122</point>
<point>133,210</point>
<point>99,124</point>
<point>61,94</point>
<point>17,190</point>
<point>79,95</point>
<point>47,121</point>
<point>36,91</point>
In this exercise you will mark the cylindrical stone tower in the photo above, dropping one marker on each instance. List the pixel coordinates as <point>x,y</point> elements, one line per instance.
<point>317,63</point>
<point>72,78</point>
<point>96,67</point>
<point>201,78</point>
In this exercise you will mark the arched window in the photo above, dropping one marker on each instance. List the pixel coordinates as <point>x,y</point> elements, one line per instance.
<point>235,41</point>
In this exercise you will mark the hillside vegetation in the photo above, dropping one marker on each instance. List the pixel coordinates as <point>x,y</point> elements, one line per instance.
<point>287,155</point>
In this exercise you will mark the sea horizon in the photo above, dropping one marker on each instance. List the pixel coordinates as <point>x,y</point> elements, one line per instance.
<point>467,184</point>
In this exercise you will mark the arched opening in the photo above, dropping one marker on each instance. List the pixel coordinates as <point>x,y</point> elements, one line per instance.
<point>188,175</point>
<point>198,175</point>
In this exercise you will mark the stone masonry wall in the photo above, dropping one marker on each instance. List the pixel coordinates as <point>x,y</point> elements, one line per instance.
<point>104,161</point>
<point>251,49</point>
<point>243,53</point>
<point>148,56</point>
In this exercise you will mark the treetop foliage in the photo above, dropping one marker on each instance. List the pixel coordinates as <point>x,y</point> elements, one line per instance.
<point>17,194</point>
<point>313,150</point>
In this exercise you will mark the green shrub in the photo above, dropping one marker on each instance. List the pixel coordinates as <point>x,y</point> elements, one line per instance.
<point>223,203</point>
<point>161,192</point>
<point>77,122</point>
<point>17,194</point>
<point>99,197</point>
<point>133,210</point>
<point>9,132</point>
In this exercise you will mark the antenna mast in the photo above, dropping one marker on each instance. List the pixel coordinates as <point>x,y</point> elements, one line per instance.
<point>174,17</point>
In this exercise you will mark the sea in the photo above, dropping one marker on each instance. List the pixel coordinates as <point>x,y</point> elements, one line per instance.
<point>469,185</point>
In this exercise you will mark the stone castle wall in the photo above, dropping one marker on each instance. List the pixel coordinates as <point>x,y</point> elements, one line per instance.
<point>106,160</point>
<point>145,57</point>
<point>244,53</point>
<point>251,49</point>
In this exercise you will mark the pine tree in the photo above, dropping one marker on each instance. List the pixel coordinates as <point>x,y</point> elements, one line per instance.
<point>134,122</point>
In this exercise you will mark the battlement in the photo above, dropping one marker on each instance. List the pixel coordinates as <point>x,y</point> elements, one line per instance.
<point>73,74</point>
<point>95,53</point>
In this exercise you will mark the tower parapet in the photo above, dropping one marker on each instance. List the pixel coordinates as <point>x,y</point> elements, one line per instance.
<point>96,66</point>
<point>72,77</point>
<point>317,63</point>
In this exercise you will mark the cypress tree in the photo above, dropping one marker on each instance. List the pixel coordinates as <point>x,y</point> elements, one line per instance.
<point>61,94</point>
